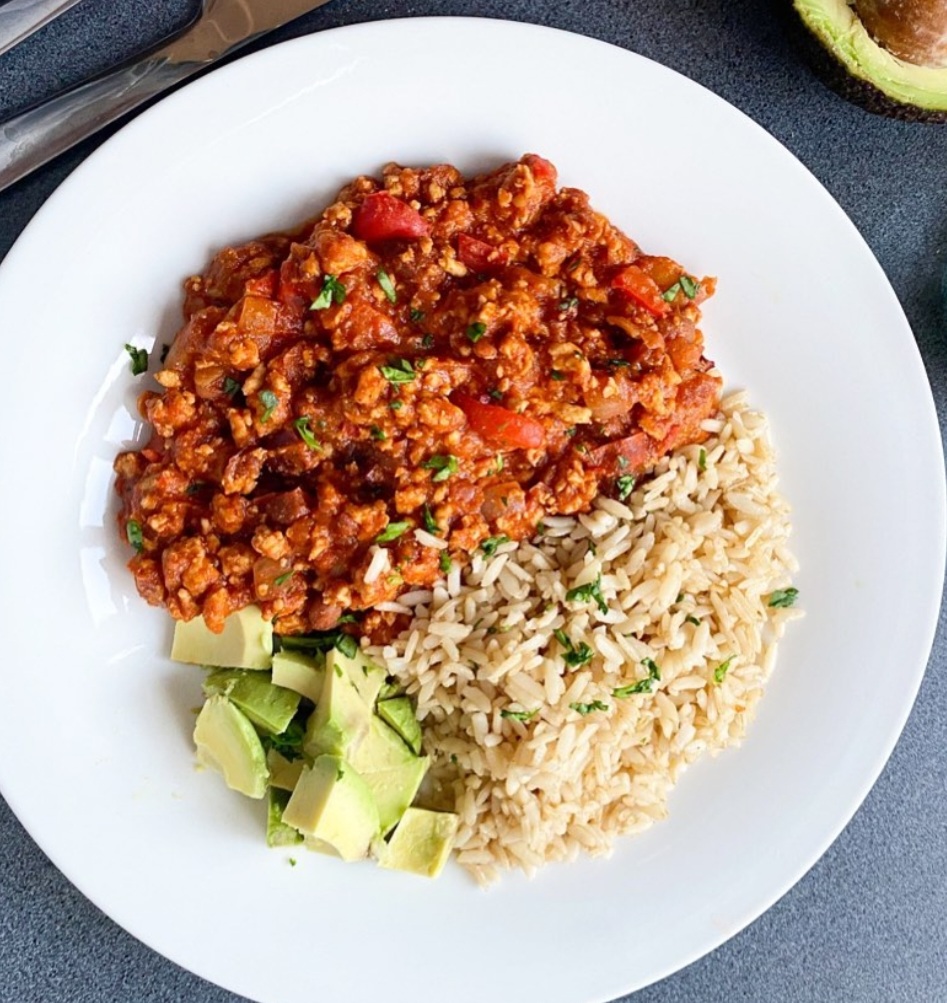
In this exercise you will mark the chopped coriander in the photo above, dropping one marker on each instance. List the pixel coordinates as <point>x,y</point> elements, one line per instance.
<point>289,743</point>
<point>292,861</point>
<point>680,597</point>
<point>519,715</point>
<point>415,315</point>
<point>684,284</point>
<point>430,523</point>
<point>540,528</point>
<point>444,562</point>
<point>453,758</point>
<point>283,578</point>
<point>489,546</point>
<point>623,461</point>
<point>690,618</point>
<point>587,708</point>
<point>591,590</point>
<point>269,401</point>
<point>568,304</point>
<point>495,394</point>
<point>571,431</point>
<point>347,618</point>
<point>618,363</point>
<point>642,686</point>
<point>573,655</point>
<point>476,331</point>
<point>625,485</point>
<point>387,286</point>
<point>444,464</point>
<point>721,670</point>
<point>332,292</point>
<point>195,487</point>
<point>427,341</point>
<point>134,535</point>
<point>305,432</point>
<point>654,670</point>
<point>392,531</point>
<point>377,434</point>
<point>556,375</point>
<point>139,359</point>
<point>498,463</point>
<point>702,460</point>
<point>400,371</point>
<point>396,405</point>
<point>347,645</point>
<point>231,386</point>
<point>783,598</point>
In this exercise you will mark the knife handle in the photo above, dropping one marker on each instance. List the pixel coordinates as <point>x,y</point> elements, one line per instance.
<point>39,134</point>
<point>20,18</point>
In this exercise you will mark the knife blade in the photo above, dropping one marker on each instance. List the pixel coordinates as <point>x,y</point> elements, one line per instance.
<point>20,18</point>
<point>39,134</point>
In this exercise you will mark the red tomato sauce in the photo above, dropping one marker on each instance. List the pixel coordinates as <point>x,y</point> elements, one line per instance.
<point>460,356</point>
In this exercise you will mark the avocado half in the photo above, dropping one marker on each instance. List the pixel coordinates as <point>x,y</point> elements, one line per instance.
<point>860,69</point>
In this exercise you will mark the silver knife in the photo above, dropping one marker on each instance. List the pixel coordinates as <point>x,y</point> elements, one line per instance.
<point>20,18</point>
<point>43,132</point>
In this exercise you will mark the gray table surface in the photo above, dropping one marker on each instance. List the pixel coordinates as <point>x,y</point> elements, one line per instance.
<point>869,921</point>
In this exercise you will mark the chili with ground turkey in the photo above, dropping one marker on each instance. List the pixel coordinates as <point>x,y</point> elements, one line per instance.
<point>434,364</point>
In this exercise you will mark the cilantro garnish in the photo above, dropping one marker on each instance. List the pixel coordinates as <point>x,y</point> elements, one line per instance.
<point>332,292</point>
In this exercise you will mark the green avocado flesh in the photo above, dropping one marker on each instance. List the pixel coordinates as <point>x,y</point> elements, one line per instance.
<point>878,80</point>
<point>333,746</point>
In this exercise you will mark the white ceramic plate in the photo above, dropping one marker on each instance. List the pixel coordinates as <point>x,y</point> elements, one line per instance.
<point>804,318</point>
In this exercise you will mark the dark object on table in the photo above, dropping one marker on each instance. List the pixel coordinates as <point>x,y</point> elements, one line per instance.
<point>889,56</point>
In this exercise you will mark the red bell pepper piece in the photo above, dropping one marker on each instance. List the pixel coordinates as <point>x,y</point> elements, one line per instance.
<point>499,426</point>
<point>635,283</point>
<point>381,216</point>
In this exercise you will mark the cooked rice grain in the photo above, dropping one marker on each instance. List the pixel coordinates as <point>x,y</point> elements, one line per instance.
<point>571,777</point>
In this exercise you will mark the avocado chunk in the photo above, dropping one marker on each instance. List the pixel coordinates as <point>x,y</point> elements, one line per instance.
<point>246,641</point>
<point>301,673</point>
<point>227,741</point>
<point>333,804</point>
<point>860,67</point>
<point>421,843</point>
<point>365,674</point>
<point>341,718</point>
<point>394,789</point>
<point>278,833</point>
<point>399,713</point>
<point>269,707</point>
<point>284,773</point>
<point>381,749</point>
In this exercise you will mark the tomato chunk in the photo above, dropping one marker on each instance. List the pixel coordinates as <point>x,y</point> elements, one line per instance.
<point>478,255</point>
<point>630,454</point>
<point>542,169</point>
<point>263,285</point>
<point>499,426</point>
<point>635,283</point>
<point>383,217</point>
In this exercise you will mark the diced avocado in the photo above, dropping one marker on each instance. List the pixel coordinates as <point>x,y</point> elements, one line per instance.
<point>284,773</point>
<point>341,718</point>
<point>421,843</point>
<point>269,707</point>
<point>399,713</point>
<point>299,672</point>
<point>365,674</point>
<point>333,803</point>
<point>394,789</point>
<point>246,641</point>
<point>228,742</point>
<point>278,833</point>
<point>388,690</point>
<point>381,749</point>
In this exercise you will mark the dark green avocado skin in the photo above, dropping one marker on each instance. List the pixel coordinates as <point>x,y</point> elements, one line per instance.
<point>834,74</point>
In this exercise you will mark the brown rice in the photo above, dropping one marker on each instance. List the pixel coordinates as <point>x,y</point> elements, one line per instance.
<point>687,565</point>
